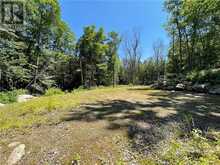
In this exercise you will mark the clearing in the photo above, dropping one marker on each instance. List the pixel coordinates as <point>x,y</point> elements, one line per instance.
<point>99,126</point>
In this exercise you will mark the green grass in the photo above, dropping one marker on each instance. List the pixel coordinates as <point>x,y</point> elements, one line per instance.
<point>19,115</point>
<point>53,91</point>
<point>194,148</point>
<point>10,96</point>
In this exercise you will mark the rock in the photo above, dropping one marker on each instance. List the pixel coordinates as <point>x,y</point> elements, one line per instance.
<point>16,154</point>
<point>24,98</point>
<point>14,144</point>
<point>169,88</point>
<point>180,86</point>
<point>215,90</point>
<point>2,105</point>
<point>189,87</point>
<point>165,83</point>
<point>200,87</point>
<point>154,86</point>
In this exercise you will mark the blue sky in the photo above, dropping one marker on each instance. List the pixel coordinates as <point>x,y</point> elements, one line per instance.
<point>119,15</point>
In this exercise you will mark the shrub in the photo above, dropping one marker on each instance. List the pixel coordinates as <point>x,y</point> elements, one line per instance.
<point>130,84</point>
<point>10,96</point>
<point>197,147</point>
<point>53,91</point>
<point>205,76</point>
<point>120,162</point>
<point>80,88</point>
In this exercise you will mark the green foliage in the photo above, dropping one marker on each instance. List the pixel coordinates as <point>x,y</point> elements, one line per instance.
<point>28,56</point>
<point>10,96</point>
<point>205,76</point>
<point>44,52</point>
<point>195,150</point>
<point>76,157</point>
<point>151,69</point>
<point>98,57</point>
<point>113,61</point>
<point>148,161</point>
<point>120,162</point>
<point>53,91</point>
<point>130,84</point>
<point>194,30</point>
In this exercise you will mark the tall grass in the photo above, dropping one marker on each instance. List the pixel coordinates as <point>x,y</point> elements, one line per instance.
<point>186,148</point>
<point>53,91</point>
<point>11,96</point>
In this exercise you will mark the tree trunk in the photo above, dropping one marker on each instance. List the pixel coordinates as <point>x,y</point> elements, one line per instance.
<point>180,44</point>
<point>81,68</point>
<point>36,69</point>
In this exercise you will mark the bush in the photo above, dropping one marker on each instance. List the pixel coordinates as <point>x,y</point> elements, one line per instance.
<point>53,91</point>
<point>205,76</point>
<point>195,147</point>
<point>11,96</point>
<point>130,84</point>
<point>80,88</point>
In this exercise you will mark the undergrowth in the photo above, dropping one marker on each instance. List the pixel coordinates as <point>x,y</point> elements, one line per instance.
<point>10,96</point>
<point>188,146</point>
<point>53,91</point>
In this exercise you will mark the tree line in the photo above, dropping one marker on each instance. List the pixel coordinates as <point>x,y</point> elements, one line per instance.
<point>44,52</point>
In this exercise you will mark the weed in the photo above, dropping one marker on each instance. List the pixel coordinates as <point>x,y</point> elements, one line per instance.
<point>53,91</point>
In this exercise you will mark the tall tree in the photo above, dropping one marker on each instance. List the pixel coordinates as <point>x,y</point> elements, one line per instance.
<point>159,57</point>
<point>194,27</point>
<point>132,50</point>
<point>91,49</point>
<point>113,58</point>
<point>34,46</point>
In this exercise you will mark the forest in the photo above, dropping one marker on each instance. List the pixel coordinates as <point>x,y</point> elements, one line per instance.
<point>102,83</point>
<point>44,53</point>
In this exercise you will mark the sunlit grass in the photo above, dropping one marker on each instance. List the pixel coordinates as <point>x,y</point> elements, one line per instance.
<point>194,149</point>
<point>18,115</point>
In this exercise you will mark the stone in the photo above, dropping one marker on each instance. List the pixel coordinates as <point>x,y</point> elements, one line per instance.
<point>16,154</point>
<point>24,98</point>
<point>180,86</point>
<point>169,88</point>
<point>215,90</point>
<point>189,87</point>
<point>155,86</point>
<point>200,87</point>
<point>165,83</point>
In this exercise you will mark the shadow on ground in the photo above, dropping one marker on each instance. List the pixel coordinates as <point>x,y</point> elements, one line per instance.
<point>148,122</point>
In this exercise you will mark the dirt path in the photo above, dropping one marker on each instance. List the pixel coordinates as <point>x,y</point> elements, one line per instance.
<point>112,128</point>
